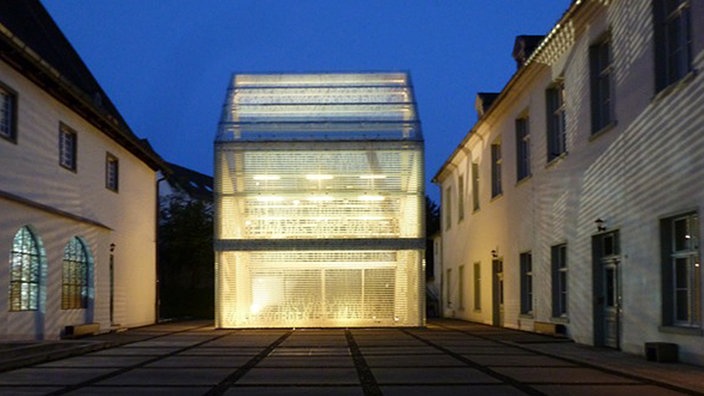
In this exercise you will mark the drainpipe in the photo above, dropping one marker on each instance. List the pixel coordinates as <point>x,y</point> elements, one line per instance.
<point>157,302</point>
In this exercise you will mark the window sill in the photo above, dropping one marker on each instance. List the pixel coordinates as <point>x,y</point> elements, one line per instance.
<point>675,86</point>
<point>70,169</point>
<point>688,331</point>
<point>596,134</point>
<point>526,316</point>
<point>497,196</point>
<point>9,138</point>
<point>524,180</point>
<point>556,160</point>
<point>561,319</point>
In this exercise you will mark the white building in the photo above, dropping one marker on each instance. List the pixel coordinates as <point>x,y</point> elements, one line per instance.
<point>319,202</point>
<point>573,204</point>
<point>77,191</point>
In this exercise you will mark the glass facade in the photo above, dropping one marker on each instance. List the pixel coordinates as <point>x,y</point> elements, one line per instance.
<point>319,202</point>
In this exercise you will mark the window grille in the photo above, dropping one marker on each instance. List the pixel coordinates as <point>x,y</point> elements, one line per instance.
<point>26,260</point>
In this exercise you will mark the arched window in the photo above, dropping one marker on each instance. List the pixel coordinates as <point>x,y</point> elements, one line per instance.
<point>75,270</point>
<point>25,271</point>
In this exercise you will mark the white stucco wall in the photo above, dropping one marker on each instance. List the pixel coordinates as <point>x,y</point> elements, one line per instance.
<point>30,170</point>
<point>648,166</point>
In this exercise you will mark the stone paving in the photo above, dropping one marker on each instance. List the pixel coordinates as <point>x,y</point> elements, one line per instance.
<point>447,357</point>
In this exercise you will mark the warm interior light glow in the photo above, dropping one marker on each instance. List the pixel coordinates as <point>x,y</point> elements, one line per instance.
<point>319,203</point>
<point>320,198</point>
<point>266,177</point>
<point>371,197</point>
<point>372,176</point>
<point>270,198</point>
<point>319,177</point>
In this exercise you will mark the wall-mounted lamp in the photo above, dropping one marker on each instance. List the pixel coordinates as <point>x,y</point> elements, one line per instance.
<point>600,224</point>
<point>112,247</point>
<point>495,253</point>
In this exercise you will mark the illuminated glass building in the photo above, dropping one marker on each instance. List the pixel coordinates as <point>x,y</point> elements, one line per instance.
<point>319,202</point>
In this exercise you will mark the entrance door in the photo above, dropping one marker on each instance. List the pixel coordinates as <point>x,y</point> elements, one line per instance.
<point>607,290</point>
<point>498,292</point>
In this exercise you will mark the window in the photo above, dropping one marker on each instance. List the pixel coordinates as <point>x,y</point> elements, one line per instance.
<point>74,279</point>
<point>681,271</point>
<point>448,208</point>
<point>448,290</point>
<point>526,263</point>
<point>460,198</point>
<point>477,287</point>
<point>496,169</point>
<point>8,114</point>
<point>67,147</point>
<point>673,41</point>
<point>26,260</point>
<point>460,300</point>
<point>522,149</point>
<point>112,168</point>
<point>555,106</point>
<point>600,79</point>
<point>559,280</point>
<point>475,186</point>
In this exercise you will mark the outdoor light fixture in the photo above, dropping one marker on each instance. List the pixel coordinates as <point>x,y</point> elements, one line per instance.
<point>112,247</point>
<point>495,253</point>
<point>600,225</point>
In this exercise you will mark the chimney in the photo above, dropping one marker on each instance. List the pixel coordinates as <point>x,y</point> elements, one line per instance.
<point>483,102</point>
<point>524,47</point>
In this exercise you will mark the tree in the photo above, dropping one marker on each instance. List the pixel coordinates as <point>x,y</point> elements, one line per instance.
<point>432,217</point>
<point>186,258</point>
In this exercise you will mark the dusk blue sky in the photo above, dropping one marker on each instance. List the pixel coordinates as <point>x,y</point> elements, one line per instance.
<point>166,64</point>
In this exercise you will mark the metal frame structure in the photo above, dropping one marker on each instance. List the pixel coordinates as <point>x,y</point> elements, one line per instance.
<point>319,202</point>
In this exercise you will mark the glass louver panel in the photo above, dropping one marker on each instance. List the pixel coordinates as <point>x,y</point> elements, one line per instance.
<point>318,289</point>
<point>286,210</point>
<point>320,107</point>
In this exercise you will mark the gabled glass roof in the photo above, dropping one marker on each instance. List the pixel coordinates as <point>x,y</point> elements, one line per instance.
<point>344,106</point>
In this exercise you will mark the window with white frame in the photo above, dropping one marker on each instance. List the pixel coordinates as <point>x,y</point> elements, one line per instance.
<point>522,149</point>
<point>8,114</point>
<point>601,87</point>
<point>475,186</point>
<point>496,161</point>
<point>556,127</point>
<point>74,279</point>
<point>460,287</point>
<point>477,286</point>
<point>448,288</point>
<point>26,260</point>
<point>112,172</point>
<point>448,208</point>
<point>682,289</point>
<point>68,141</point>
<point>558,260</point>
<point>673,41</point>
<point>526,268</point>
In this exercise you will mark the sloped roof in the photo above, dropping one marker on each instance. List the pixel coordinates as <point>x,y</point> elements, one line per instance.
<point>197,185</point>
<point>34,45</point>
<point>320,106</point>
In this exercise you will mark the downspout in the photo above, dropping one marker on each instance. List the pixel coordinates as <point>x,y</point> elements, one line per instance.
<point>157,300</point>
